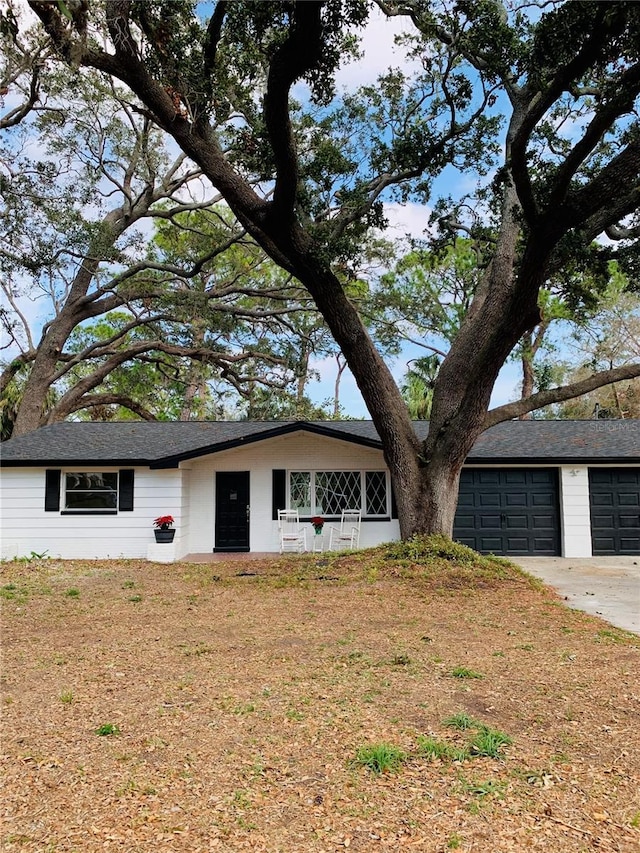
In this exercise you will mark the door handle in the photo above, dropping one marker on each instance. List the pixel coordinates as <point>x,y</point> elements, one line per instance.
<point>248,511</point>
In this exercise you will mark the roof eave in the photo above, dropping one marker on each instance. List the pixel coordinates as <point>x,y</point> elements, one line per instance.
<point>299,426</point>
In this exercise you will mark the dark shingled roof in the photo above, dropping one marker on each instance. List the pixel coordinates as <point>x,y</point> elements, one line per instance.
<point>161,444</point>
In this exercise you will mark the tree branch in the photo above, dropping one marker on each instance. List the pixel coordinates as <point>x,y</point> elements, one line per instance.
<point>296,55</point>
<point>558,395</point>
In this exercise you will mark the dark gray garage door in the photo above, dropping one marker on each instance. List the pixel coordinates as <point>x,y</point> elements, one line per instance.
<point>509,511</point>
<point>614,494</point>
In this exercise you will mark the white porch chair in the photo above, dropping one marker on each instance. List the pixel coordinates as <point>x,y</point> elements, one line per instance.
<point>292,536</point>
<point>348,534</point>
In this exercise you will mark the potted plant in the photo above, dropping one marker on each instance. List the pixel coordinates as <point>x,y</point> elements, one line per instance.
<point>163,528</point>
<point>318,524</point>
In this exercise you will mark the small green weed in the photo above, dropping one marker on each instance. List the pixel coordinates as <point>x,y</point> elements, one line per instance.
<point>128,585</point>
<point>380,757</point>
<point>72,592</point>
<point>401,660</point>
<point>34,555</point>
<point>107,729</point>
<point>635,820</point>
<point>484,789</point>
<point>465,672</point>
<point>293,714</point>
<point>460,721</point>
<point>66,697</point>
<point>430,747</point>
<point>454,841</point>
<point>526,647</point>
<point>135,599</point>
<point>490,743</point>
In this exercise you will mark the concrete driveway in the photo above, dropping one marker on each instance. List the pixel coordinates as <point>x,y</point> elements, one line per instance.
<point>604,586</point>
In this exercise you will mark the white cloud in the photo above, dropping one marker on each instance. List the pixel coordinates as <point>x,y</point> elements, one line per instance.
<point>378,49</point>
<point>407,219</point>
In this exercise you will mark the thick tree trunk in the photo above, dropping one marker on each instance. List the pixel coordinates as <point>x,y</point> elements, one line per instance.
<point>32,411</point>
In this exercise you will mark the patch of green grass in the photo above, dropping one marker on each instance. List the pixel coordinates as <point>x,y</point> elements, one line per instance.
<point>135,599</point>
<point>526,647</point>
<point>128,585</point>
<point>72,592</point>
<point>484,789</point>
<point>635,820</point>
<point>430,747</point>
<point>489,742</point>
<point>401,660</point>
<point>293,714</point>
<point>453,842</point>
<point>107,729</point>
<point>614,635</point>
<point>380,757</point>
<point>11,592</point>
<point>66,697</point>
<point>460,721</point>
<point>465,672</point>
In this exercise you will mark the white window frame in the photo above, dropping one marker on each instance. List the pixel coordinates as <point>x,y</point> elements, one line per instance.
<point>312,472</point>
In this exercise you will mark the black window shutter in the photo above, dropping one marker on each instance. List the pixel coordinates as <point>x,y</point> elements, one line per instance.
<point>394,506</point>
<point>52,490</point>
<point>125,490</point>
<point>279,493</point>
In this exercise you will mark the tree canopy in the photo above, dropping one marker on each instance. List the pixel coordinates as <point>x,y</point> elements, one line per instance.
<point>537,104</point>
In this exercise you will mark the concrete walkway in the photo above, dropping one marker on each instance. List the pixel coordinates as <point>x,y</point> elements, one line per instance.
<point>603,586</point>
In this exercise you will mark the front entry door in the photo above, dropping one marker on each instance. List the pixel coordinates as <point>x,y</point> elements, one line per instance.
<point>232,511</point>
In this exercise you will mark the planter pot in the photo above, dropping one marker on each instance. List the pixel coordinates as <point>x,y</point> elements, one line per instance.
<point>164,535</point>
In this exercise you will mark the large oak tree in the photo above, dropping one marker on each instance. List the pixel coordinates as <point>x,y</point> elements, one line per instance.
<point>544,100</point>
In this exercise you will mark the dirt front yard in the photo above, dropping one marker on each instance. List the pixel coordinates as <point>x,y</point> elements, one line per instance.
<point>311,704</point>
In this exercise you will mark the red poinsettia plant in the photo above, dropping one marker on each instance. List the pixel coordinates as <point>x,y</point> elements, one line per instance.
<point>163,522</point>
<point>318,523</point>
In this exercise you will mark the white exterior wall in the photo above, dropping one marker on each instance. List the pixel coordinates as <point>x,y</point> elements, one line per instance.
<point>574,511</point>
<point>300,452</point>
<point>26,527</point>
<point>188,494</point>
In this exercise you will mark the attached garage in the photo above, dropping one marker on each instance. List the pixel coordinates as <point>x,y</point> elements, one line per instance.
<point>614,498</point>
<point>510,511</point>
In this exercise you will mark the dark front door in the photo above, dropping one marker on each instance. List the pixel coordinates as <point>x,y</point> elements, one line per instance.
<point>509,511</point>
<point>615,510</point>
<point>232,511</point>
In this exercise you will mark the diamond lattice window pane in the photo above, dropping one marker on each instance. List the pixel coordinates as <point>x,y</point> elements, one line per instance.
<point>300,491</point>
<point>376,486</point>
<point>337,490</point>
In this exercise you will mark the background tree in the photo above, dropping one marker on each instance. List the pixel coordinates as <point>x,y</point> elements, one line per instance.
<point>562,171</point>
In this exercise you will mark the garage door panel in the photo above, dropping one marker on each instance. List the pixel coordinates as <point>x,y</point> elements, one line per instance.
<point>519,499</point>
<point>492,544</point>
<point>543,500</point>
<point>602,500</point>
<point>543,522</point>
<point>526,519</point>
<point>617,530</point>
<point>629,500</point>
<point>488,499</point>
<point>487,478</point>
